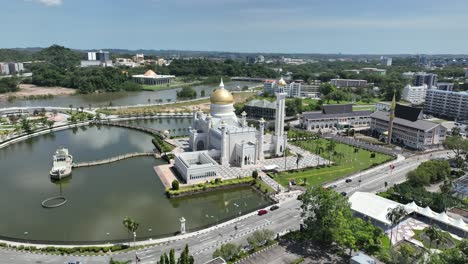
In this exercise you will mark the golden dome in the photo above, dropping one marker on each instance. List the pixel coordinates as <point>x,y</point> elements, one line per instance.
<point>282,82</point>
<point>221,96</point>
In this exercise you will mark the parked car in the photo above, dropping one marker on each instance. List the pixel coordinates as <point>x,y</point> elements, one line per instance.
<point>343,193</point>
<point>348,180</point>
<point>333,186</point>
<point>262,212</point>
<point>274,207</point>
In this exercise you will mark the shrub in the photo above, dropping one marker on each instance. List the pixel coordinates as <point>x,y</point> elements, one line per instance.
<point>175,185</point>
<point>372,155</point>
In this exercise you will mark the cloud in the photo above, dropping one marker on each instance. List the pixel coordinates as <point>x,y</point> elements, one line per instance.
<point>51,2</point>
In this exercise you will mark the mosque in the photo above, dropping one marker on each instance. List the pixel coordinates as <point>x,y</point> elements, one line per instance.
<point>220,138</point>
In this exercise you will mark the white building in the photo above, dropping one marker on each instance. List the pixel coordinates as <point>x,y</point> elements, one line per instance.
<point>99,58</point>
<point>348,82</point>
<point>385,61</point>
<point>421,78</point>
<point>293,89</point>
<point>335,117</point>
<point>151,78</point>
<point>414,94</point>
<point>221,137</point>
<point>447,104</point>
<point>125,62</point>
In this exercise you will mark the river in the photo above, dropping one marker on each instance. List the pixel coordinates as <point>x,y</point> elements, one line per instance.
<point>120,98</point>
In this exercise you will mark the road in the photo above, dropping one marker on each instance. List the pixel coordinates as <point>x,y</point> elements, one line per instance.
<point>375,181</point>
<point>201,246</point>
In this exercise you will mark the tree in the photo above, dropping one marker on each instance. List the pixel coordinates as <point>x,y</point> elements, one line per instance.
<point>228,251</point>
<point>172,259</point>
<point>446,189</point>
<point>202,93</point>
<point>406,252</point>
<point>175,185</point>
<point>457,255</point>
<point>323,211</point>
<point>260,237</point>
<point>185,257</point>
<point>187,92</point>
<point>299,157</point>
<point>434,234</point>
<point>131,226</point>
<point>26,125</point>
<point>327,88</point>
<point>458,145</point>
<point>394,215</point>
<point>255,174</point>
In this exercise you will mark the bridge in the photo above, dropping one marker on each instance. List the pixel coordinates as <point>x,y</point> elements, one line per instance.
<point>113,159</point>
<point>148,130</point>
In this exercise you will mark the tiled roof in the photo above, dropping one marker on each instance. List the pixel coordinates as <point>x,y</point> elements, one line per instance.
<point>418,124</point>
<point>319,115</point>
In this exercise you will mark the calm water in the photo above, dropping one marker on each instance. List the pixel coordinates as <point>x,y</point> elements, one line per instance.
<point>100,197</point>
<point>118,98</point>
<point>176,126</point>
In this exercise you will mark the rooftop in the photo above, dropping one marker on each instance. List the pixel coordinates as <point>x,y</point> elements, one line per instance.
<point>261,103</point>
<point>418,124</point>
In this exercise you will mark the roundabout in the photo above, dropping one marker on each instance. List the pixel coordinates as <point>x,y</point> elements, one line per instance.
<point>54,202</point>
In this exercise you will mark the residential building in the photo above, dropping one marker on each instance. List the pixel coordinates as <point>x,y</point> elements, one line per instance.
<point>414,94</point>
<point>430,79</point>
<point>11,68</point>
<point>335,117</point>
<point>348,83</point>
<point>386,61</point>
<point>445,86</point>
<point>260,59</point>
<point>151,78</point>
<point>466,72</point>
<point>99,58</point>
<point>447,104</point>
<point>294,89</point>
<point>125,62</point>
<point>139,58</point>
<point>260,109</point>
<point>408,128</point>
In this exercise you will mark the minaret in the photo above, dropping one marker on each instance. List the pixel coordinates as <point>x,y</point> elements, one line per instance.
<point>279,137</point>
<point>223,158</point>
<point>244,119</point>
<point>260,139</point>
<point>209,126</point>
<point>390,121</point>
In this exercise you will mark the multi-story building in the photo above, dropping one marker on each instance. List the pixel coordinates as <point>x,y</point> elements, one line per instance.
<point>445,86</point>
<point>386,61</point>
<point>260,108</point>
<point>408,75</point>
<point>430,79</point>
<point>100,58</point>
<point>348,83</point>
<point>414,94</point>
<point>139,58</point>
<point>4,69</point>
<point>293,89</point>
<point>447,104</point>
<point>466,72</point>
<point>125,62</point>
<point>335,117</point>
<point>408,128</point>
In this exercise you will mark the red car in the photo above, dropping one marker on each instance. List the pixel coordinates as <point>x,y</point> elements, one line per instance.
<point>262,212</point>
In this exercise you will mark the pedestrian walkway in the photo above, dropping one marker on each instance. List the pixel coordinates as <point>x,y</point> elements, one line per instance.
<point>404,230</point>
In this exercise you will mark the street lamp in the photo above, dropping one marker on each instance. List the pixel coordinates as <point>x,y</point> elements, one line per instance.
<point>25,234</point>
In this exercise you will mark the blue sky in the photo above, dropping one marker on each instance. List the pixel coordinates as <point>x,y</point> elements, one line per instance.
<point>295,26</point>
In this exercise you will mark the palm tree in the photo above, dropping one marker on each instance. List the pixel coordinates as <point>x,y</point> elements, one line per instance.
<point>330,148</point>
<point>446,189</point>
<point>394,215</point>
<point>340,156</point>
<point>131,226</point>
<point>434,233</point>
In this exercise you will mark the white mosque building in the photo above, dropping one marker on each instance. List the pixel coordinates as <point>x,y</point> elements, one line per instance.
<point>220,138</point>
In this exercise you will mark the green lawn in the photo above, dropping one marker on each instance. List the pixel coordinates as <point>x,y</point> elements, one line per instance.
<point>364,107</point>
<point>350,163</point>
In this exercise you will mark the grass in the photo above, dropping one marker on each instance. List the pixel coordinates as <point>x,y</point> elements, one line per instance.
<point>350,163</point>
<point>364,107</point>
<point>385,242</point>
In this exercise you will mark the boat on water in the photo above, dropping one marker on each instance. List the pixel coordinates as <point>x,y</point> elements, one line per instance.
<point>62,164</point>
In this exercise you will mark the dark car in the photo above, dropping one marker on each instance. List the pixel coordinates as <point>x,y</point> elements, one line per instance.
<point>343,193</point>
<point>333,186</point>
<point>348,180</point>
<point>262,212</point>
<point>274,207</point>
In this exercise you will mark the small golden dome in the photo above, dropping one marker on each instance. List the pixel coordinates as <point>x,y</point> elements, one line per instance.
<point>282,82</point>
<point>150,73</point>
<point>221,96</point>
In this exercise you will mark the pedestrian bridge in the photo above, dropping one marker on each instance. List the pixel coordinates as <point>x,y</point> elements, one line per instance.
<point>113,159</point>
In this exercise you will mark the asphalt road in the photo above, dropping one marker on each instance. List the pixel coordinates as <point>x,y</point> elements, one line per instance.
<point>375,181</point>
<point>201,246</point>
